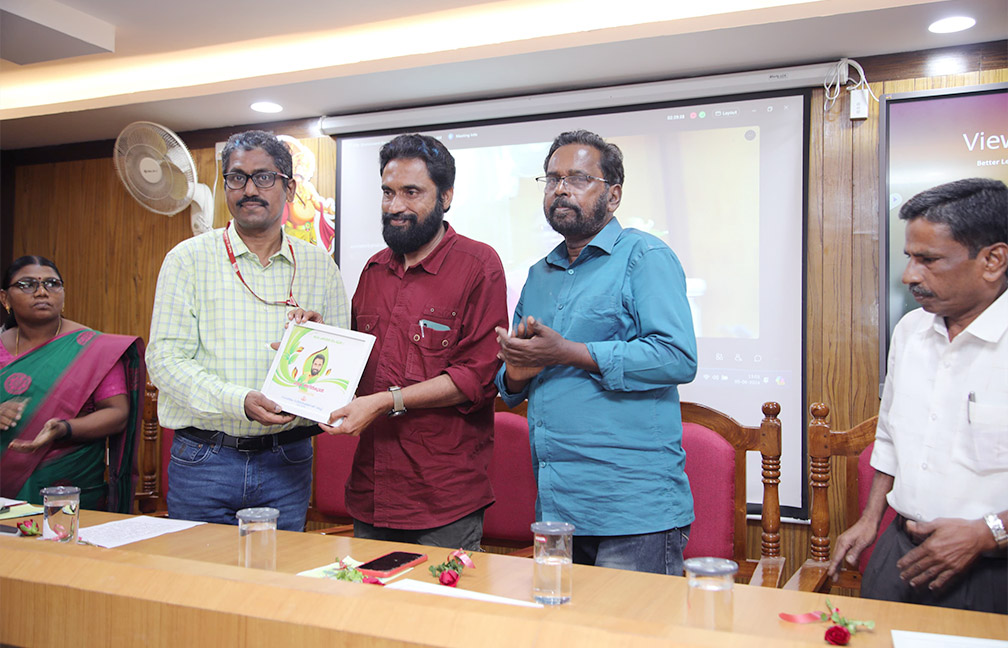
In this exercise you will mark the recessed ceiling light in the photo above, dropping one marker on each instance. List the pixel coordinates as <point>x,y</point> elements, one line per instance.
<point>951,24</point>
<point>266,107</point>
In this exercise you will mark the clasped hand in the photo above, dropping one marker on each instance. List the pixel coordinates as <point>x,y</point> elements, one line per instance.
<point>532,347</point>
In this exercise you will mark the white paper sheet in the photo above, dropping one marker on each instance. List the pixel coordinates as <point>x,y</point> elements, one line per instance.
<point>907,639</point>
<point>411,585</point>
<point>134,529</point>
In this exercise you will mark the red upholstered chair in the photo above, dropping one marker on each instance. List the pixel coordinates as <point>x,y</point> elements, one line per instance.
<point>716,447</point>
<point>333,458</point>
<point>855,446</point>
<point>508,520</point>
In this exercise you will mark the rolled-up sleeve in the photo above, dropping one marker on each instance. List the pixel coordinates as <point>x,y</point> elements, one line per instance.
<point>474,362</point>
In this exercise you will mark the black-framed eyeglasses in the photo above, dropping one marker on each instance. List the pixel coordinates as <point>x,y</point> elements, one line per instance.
<point>576,181</point>
<point>31,284</point>
<point>261,179</point>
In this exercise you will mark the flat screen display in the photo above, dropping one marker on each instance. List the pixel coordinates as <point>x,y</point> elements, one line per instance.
<point>933,137</point>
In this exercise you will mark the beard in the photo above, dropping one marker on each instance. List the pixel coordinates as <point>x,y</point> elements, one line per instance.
<point>403,239</point>
<point>580,226</point>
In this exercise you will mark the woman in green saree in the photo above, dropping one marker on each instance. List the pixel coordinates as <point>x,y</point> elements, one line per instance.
<point>64,390</point>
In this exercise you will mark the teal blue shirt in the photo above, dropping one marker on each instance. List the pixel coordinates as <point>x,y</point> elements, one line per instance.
<point>607,447</point>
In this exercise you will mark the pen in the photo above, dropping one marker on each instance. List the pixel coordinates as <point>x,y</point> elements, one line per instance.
<point>970,400</point>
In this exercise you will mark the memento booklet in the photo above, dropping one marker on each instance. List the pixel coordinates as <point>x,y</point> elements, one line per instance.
<point>316,369</point>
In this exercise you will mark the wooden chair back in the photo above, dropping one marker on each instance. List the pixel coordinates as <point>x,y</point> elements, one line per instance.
<point>823,444</point>
<point>765,439</point>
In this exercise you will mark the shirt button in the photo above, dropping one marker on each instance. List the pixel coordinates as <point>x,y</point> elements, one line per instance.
<point>924,466</point>
<point>947,364</point>
<point>367,327</point>
<point>416,338</point>
<point>539,380</point>
<point>444,343</point>
<point>539,423</point>
<point>559,306</point>
<point>432,310</point>
<point>542,464</point>
<point>934,417</point>
<point>453,313</point>
<point>570,272</point>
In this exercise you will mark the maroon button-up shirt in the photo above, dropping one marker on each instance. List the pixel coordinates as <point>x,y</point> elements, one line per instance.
<point>429,467</point>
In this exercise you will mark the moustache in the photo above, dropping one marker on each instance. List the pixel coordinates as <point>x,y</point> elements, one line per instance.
<point>561,202</point>
<point>920,292</point>
<point>387,217</point>
<point>251,199</point>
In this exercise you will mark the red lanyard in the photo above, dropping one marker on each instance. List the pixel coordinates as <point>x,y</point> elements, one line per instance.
<point>234,264</point>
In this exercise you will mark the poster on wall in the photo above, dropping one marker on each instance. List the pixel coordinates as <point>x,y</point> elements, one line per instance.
<point>930,138</point>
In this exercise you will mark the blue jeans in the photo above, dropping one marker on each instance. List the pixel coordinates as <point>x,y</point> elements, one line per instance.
<point>656,553</point>
<point>210,483</point>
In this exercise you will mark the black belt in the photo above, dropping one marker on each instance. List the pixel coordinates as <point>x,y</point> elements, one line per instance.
<point>249,443</point>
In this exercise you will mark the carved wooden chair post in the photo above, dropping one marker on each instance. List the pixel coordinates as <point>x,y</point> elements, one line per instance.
<point>823,444</point>
<point>148,454</point>
<point>716,447</point>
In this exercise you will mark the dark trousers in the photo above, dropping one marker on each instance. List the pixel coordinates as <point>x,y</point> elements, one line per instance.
<point>983,587</point>
<point>464,533</point>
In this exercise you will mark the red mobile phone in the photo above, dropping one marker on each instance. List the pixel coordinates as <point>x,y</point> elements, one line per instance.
<point>391,564</point>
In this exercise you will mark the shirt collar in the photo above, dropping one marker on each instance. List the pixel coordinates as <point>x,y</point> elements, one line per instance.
<point>989,325</point>
<point>431,263</point>
<point>239,247</point>
<point>605,241</point>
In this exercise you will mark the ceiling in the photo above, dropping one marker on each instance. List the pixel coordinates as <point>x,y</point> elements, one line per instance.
<point>398,53</point>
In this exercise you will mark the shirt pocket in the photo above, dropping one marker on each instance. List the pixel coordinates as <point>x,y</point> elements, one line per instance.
<point>988,436</point>
<point>367,324</point>
<point>432,337</point>
<point>595,318</point>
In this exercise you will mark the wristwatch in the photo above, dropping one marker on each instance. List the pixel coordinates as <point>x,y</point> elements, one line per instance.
<point>998,529</point>
<point>398,408</point>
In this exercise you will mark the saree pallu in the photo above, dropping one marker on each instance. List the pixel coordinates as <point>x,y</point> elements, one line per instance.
<point>57,379</point>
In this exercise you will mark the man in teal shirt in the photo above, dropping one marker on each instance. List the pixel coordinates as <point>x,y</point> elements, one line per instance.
<point>602,336</point>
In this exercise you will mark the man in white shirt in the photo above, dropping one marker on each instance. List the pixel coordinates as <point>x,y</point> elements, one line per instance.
<point>941,447</point>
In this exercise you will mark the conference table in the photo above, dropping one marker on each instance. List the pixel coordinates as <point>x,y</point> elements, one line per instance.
<point>185,589</point>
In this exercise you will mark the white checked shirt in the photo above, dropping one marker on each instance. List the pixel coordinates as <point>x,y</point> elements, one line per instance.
<point>943,424</point>
<point>209,341</point>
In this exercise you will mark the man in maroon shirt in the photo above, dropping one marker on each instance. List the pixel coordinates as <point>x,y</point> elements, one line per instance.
<point>425,406</point>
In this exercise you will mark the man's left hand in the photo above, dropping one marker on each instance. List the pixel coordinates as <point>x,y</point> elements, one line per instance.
<point>950,547</point>
<point>357,415</point>
<point>533,345</point>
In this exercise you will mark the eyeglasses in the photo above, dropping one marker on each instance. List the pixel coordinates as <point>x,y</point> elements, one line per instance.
<point>261,179</point>
<point>31,284</point>
<point>576,181</point>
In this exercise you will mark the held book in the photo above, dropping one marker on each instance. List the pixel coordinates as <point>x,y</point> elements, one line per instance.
<point>316,369</point>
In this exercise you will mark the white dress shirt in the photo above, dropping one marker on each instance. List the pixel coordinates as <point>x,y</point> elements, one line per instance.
<point>943,423</point>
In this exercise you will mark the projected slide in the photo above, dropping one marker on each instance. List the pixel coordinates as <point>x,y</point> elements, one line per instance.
<point>722,183</point>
